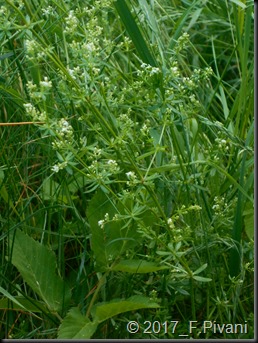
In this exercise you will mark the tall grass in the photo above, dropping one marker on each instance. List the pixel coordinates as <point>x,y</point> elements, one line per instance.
<point>126,175</point>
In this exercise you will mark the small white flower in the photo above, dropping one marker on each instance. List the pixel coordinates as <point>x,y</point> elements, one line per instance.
<point>170,223</point>
<point>72,72</point>
<point>46,83</point>
<point>101,223</point>
<point>154,70</point>
<point>90,46</point>
<point>55,168</point>
<point>130,175</point>
<point>97,152</point>
<point>31,46</point>
<point>59,166</point>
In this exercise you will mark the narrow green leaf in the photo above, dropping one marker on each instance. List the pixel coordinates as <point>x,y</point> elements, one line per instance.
<point>76,326</point>
<point>195,16</point>
<point>199,270</point>
<point>22,304</point>
<point>239,3</point>
<point>201,279</point>
<point>12,95</point>
<point>235,257</point>
<point>4,193</point>
<point>249,221</point>
<point>137,266</point>
<point>102,312</point>
<point>180,24</point>
<point>134,32</point>
<point>154,27</point>
<point>234,182</point>
<point>10,297</point>
<point>7,55</point>
<point>37,265</point>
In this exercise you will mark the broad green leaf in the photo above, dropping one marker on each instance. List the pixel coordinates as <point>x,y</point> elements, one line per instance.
<point>115,237</point>
<point>19,303</point>
<point>104,311</point>
<point>98,207</point>
<point>79,181</point>
<point>50,189</point>
<point>137,266</point>
<point>37,265</point>
<point>76,326</point>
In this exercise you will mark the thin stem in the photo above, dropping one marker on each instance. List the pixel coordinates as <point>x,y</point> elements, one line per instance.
<point>101,283</point>
<point>22,123</point>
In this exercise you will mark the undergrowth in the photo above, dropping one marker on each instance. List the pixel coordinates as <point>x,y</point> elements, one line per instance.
<point>126,175</point>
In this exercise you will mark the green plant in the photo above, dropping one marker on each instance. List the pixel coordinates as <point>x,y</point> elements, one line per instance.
<point>127,197</point>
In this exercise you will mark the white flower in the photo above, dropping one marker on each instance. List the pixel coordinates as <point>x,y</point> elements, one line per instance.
<point>32,111</point>
<point>130,175</point>
<point>46,83</point>
<point>31,46</point>
<point>55,168</point>
<point>71,72</point>
<point>101,223</point>
<point>170,223</point>
<point>3,10</point>
<point>97,151</point>
<point>48,11</point>
<point>59,166</point>
<point>154,70</point>
<point>90,46</point>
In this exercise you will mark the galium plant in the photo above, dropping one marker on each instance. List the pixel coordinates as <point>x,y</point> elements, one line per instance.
<point>132,188</point>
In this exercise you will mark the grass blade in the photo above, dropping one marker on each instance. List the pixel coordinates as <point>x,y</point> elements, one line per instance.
<point>134,33</point>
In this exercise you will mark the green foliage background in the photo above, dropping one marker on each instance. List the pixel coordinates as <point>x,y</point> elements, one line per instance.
<point>126,167</point>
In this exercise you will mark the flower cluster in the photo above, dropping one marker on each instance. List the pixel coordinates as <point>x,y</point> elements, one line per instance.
<point>63,135</point>
<point>49,12</point>
<point>34,113</point>
<point>181,230</point>
<point>102,222</point>
<point>102,171</point>
<point>223,144</point>
<point>59,166</point>
<point>71,22</point>
<point>132,178</point>
<point>220,205</point>
<point>182,42</point>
